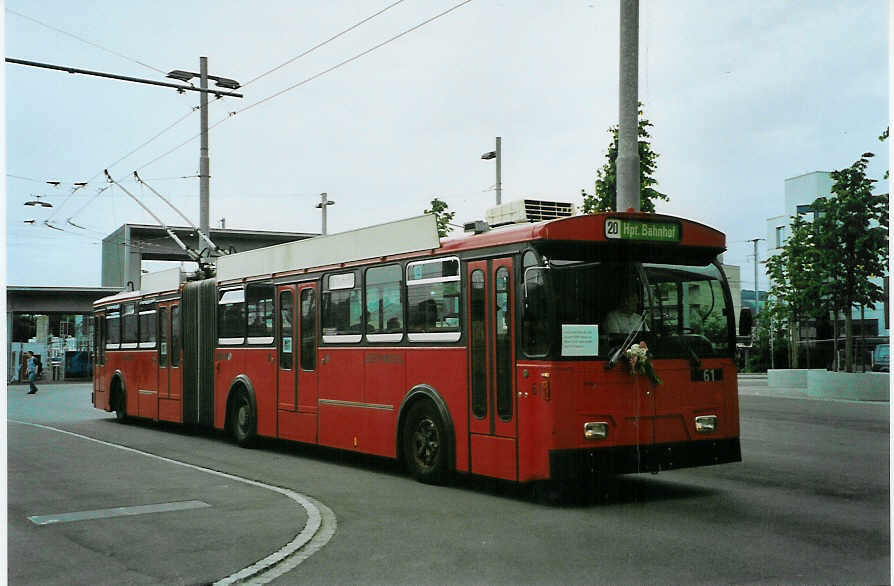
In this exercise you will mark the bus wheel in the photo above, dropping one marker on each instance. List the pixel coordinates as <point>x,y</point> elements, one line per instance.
<point>118,406</point>
<point>242,420</point>
<point>424,439</point>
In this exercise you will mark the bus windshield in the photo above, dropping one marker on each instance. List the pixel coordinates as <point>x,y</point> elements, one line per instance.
<point>594,307</point>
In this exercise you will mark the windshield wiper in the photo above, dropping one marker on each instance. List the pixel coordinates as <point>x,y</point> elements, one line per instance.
<point>622,347</point>
<point>694,360</point>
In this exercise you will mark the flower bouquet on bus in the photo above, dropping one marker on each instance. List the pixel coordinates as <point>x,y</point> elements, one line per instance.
<point>639,362</point>
<point>636,354</point>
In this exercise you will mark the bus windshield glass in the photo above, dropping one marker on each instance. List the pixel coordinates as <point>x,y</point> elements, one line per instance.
<point>679,311</point>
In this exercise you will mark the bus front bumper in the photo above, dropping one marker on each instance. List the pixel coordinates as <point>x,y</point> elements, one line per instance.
<point>571,465</point>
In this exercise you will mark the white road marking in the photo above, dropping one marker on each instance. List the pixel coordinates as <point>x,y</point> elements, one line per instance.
<point>319,529</point>
<point>116,512</point>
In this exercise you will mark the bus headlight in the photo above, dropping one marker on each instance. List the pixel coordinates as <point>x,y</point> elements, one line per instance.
<point>706,423</point>
<point>594,430</point>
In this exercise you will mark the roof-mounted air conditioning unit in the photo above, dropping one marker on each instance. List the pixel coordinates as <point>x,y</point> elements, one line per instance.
<point>528,210</point>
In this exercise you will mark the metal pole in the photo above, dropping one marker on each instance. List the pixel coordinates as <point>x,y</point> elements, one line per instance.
<point>757,296</point>
<point>324,203</point>
<point>499,184</point>
<point>204,162</point>
<point>179,87</point>
<point>628,187</point>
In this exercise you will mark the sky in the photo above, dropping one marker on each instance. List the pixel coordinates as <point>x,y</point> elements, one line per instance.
<point>742,95</point>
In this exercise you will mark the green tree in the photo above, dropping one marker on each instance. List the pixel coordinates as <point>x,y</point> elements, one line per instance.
<point>442,216</point>
<point>605,192</point>
<point>852,231</point>
<point>883,137</point>
<point>797,282</point>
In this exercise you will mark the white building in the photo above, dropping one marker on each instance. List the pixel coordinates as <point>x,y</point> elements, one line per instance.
<point>800,193</point>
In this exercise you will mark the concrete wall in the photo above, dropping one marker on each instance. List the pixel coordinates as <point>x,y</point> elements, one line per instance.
<point>859,386</point>
<point>790,377</point>
<point>821,383</point>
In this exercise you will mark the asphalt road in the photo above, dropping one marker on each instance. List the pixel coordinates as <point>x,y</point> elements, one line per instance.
<point>809,504</point>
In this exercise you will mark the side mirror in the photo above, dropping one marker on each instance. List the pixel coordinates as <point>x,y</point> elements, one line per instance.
<point>746,321</point>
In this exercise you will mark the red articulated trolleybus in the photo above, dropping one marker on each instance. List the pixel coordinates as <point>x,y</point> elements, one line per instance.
<point>502,353</point>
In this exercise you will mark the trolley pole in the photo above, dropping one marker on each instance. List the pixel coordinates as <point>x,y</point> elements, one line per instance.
<point>628,187</point>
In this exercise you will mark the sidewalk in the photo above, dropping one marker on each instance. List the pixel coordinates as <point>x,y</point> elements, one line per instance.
<point>756,384</point>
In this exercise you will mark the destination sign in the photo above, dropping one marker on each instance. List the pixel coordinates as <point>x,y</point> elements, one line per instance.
<point>623,229</point>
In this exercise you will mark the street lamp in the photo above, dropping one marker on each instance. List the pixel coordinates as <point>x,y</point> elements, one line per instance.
<point>38,202</point>
<point>495,154</point>
<point>224,82</point>
<point>324,203</point>
<point>204,161</point>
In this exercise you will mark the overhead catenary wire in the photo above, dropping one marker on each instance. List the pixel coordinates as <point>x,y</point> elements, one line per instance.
<point>306,80</point>
<point>292,87</point>
<point>323,43</point>
<point>143,144</point>
<point>195,108</point>
<point>354,58</point>
<point>83,40</point>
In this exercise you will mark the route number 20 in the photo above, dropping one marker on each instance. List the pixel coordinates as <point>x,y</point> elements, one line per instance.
<point>612,228</point>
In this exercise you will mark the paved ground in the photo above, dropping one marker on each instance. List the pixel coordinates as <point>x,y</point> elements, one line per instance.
<point>809,504</point>
<point>51,472</point>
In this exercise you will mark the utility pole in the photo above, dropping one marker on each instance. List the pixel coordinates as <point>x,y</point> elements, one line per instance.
<point>628,187</point>
<point>757,300</point>
<point>754,241</point>
<point>204,161</point>
<point>495,154</point>
<point>324,203</point>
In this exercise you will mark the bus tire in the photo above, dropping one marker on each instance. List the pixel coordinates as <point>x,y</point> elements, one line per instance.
<point>243,422</point>
<point>425,444</point>
<point>119,404</point>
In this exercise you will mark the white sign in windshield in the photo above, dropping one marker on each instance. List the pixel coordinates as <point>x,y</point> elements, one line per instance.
<point>580,340</point>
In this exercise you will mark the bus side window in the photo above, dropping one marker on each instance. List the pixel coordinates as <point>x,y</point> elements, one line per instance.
<point>259,306</point>
<point>130,326</point>
<point>384,306</point>
<point>231,317</point>
<point>148,325</point>
<point>341,310</point>
<point>535,317</point>
<point>433,289</point>
<point>113,329</point>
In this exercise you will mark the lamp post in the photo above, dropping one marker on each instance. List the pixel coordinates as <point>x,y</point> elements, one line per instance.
<point>204,160</point>
<point>324,203</point>
<point>495,154</point>
<point>628,164</point>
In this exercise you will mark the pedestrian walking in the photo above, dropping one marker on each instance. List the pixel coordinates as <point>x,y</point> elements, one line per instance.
<point>32,372</point>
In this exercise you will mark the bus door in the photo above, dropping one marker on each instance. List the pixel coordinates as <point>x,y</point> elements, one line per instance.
<point>100,398</point>
<point>170,381</point>
<point>163,349</point>
<point>286,381</point>
<point>492,398</point>
<point>296,362</point>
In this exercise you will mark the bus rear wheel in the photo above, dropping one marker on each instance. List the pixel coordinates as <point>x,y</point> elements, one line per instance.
<point>242,420</point>
<point>425,448</point>
<point>118,405</point>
